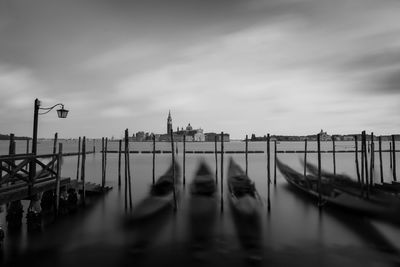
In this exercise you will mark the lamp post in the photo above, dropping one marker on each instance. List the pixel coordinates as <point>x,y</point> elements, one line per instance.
<point>62,113</point>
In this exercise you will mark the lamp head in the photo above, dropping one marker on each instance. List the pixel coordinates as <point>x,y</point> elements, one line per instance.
<point>62,113</point>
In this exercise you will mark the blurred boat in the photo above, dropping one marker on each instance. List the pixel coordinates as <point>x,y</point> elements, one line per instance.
<point>386,209</point>
<point>242,193</point>
<point>203,207</point>
<point>378,192</point>
<point>246,205</point>
<point>161,195</point>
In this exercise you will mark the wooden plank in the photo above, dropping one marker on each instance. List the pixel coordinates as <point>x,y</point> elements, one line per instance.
<point>23,192</point>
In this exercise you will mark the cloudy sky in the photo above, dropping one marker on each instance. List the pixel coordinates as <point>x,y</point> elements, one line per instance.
<point>239,66</point>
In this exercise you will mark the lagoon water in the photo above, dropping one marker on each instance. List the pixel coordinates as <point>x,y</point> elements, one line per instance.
<point>295,232</point>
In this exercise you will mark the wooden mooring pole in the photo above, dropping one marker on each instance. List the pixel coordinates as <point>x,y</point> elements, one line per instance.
<point>128,170</point>
<point>319,170</point>
<point>305,158</point>
<point>173,170</point>
<point>334,154</point>
<point>83,178</point>
<point>356,158</point>
<point>268,172</point>
<point>390,155</point>
<point>58,178</point>
<point>79,158</point>
<point>119,162</point>
<point>102,161</point>
<point>394,157</point>
<point>27,152</point>
<point>11,148</point>
<point>365,159</point>
<point>184,160</point>
<point>103,181</point>
<point>275,157</point>
<point>372,159</point>
<point>222,171</point>
<point>54,147</point>
<point>216,158</point>
<point>247,153</point>
<point>362,166</point>
<point>380,159</point>
<point>154,160</point>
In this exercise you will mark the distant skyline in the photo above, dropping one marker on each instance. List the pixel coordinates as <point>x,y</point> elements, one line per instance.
<point>285,67</point>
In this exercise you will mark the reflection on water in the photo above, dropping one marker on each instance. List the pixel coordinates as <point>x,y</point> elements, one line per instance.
<point>294,233</point>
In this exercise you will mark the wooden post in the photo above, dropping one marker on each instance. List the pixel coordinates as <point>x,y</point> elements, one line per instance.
<point>305,158</point>
<point>222,171</point>
<point>362,165</point>
<point>58,177</point>
<point>372,158</point>
<point>83,170</point>
<point>334,154</point>
<point>247,153</point>
<point>128,172</point>
<point>184,159</point>
<point>394,157</point>
<point>54,147</point>
<point>11,148</point>
<point>55,143</point>
<point>119,162</point>
<point>102,161</point>
<point>356,157</point>
<point>319,170</point>
<point>79,158</point>
<point>216,159</point>
<point>380,158</point>
<point>173,170</point>
<point>366,162</point>
<point>154,159</point>
<point>275,158</point>
<point>390,155</point>
<point>103,182</point>
<point>27,152</point>
<point>268,171</point>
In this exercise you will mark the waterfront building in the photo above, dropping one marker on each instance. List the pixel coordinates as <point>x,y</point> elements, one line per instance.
<point>210,137</point>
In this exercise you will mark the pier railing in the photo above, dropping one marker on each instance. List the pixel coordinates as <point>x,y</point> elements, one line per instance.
<point>15,169</point>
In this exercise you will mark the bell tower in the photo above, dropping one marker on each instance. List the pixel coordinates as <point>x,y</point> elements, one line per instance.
<point>169,122</point>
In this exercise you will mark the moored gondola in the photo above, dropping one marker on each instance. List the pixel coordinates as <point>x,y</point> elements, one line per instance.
<point>203,208</point>
<point>331,194</point>
<point>242,192</point>
<point>161,195</point>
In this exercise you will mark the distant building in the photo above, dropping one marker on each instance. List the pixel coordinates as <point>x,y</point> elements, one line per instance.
<point>191,135</point>
<point>187,133</point>
<point>210,137</point>
<point>140,136</point>
<point>169,122</point>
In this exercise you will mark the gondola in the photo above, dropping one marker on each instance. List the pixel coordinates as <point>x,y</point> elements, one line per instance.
<point>336,196</point>
<point>347,184</point>
<point>245,204</point>
<point>243,195</point>
<point>203,208</point>
<point>161,195</point>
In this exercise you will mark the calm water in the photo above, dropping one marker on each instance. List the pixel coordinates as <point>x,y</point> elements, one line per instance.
<point>295,232</point>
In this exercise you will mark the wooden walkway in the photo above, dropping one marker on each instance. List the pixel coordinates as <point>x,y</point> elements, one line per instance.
<point>21,191</point>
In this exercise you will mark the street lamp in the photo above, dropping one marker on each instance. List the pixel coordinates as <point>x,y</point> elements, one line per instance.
<point>62,113</point>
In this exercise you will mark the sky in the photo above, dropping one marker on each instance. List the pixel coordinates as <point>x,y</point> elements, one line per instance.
<point>290,67</point>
